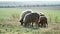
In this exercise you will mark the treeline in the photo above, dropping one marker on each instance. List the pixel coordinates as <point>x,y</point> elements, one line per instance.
<point>15,6</point>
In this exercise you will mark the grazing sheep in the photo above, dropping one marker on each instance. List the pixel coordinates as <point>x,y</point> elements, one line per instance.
<point>43,20</point>
<point>31,18</point>
<point>23,15</point>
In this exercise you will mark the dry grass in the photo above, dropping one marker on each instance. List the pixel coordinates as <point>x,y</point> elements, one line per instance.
<point>12,26</point>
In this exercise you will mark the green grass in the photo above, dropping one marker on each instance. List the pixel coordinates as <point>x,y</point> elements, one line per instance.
<point>9,17</point>
<point>5,13</point>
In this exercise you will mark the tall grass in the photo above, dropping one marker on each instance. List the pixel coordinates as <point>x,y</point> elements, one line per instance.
<point>15,16</point>
<point>9,22</point>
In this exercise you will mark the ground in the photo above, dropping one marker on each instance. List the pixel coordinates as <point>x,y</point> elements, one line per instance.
<point>9,22</point>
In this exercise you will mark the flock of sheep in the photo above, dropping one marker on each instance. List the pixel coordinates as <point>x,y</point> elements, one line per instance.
<point>29,18</point>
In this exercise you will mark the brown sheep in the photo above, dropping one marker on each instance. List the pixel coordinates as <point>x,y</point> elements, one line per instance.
<point>43,20</point>
<point>31,18</point>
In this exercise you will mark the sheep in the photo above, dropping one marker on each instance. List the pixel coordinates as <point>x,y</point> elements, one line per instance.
<point>23,15</point>
<point>31,18</point>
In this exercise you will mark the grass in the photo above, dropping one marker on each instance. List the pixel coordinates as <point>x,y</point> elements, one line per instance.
<point>9,22</point>
<point>5,13</point>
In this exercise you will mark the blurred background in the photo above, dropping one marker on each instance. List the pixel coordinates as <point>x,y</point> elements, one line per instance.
<point>11,11</point>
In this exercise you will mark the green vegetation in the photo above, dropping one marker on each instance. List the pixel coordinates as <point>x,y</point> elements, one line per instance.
<point>5,13</point>
<point>9,22</point>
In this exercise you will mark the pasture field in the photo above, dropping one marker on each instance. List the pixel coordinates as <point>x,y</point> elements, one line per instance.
<point>9,22</point>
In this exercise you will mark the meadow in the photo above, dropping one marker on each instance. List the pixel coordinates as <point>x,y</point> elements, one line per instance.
<point>9,21</point>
